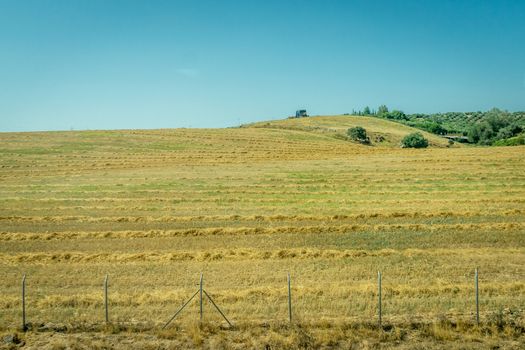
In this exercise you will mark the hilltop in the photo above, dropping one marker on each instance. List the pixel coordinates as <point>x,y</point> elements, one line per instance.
<point>390,132</point>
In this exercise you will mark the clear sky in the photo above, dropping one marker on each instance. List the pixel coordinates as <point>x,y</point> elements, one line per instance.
<point>121,64</point>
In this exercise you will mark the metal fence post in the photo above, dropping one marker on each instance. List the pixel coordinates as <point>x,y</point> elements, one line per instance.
<point>200,294</point>
<point>477,296</point>
<point>106,298</point>
<point>24,303</point>
<point>379,296</point>
<point>289,298</point>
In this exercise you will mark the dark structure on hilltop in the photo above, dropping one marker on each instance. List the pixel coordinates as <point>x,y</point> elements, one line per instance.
<point>301,113</point>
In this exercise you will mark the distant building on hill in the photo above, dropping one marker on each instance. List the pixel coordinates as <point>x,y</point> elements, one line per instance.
<point>301,113</point>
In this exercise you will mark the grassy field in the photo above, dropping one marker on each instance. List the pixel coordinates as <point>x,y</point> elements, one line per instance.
<point>245,206</point>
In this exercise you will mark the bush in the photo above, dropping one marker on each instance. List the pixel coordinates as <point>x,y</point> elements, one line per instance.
<point>512,141</point>
<point>414,140</point>
<point>358,133</point>
<point>435,128</point>
<point>395,114</point>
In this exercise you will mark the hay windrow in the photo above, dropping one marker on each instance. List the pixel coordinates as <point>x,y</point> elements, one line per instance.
<point>241,254</point>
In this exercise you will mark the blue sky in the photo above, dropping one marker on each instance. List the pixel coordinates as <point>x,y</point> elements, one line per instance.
<point>108,64</point>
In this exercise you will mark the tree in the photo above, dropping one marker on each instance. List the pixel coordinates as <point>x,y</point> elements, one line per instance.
<point>435,128</point>
<point>508,131</point>
<point>358,133</point>
<point>414,140</point>
<point>382,111</point>
<point>497,125</point>
<point>397,115</point>
<point>474,133</point>
<point>366,111</point>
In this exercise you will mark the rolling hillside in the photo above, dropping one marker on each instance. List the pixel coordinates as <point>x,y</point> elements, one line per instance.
<point>392,132</point>
<point>246,206</point>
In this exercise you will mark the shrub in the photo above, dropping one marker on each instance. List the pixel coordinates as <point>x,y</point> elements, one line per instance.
<point>435,128</point>
<point>358,133</point>
<point>398,115</point>
<point>395,114</point>
<point>512,141</point>
<point>414,140</point>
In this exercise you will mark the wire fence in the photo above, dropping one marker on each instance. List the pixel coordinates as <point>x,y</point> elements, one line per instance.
<point>376,303</point>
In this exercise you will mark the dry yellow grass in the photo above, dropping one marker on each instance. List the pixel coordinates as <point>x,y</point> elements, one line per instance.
<point>245,206</point>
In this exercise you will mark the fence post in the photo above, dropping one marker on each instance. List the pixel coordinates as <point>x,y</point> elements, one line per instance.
<point>379,296</point>
<point>200,294</point>
<point>477,296</point>
<point>24,303</point>
<point>106,298</point>
<point>289,298</point>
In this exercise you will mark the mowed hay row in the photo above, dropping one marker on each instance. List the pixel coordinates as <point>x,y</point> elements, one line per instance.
<point>254,218</point>
<point>243,254</point>
<point>271,219</point>
<point>176,210</point>
<point>513,233</point>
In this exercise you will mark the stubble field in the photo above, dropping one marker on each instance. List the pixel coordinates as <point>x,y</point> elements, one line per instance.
<point>246,206</point>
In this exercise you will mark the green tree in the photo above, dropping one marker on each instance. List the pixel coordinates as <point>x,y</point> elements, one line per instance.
<point>434,128</point>
<point>397,115</point>
<point>474,133</point>
<point>512,141</point>
<point>414,140</point>
<point>357,133</point>
<point>382,111</point>
<point>366,111</point>
<point>495,127</point>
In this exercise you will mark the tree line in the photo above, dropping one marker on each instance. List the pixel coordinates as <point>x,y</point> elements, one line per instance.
<point>493,127</point>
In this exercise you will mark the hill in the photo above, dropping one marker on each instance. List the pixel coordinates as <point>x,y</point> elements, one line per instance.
<point>390,132</point>
<point>494,127</point>
<point>246,206</point>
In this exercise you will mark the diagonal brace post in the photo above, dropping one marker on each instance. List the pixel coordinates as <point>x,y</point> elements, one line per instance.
<point>181,308</point>
<point>213,303</point>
